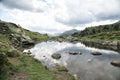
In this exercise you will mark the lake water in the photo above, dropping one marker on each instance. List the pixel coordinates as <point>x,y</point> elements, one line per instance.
<point>85,66</point>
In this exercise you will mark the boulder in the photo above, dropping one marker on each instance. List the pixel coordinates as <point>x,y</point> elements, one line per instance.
<point>27,51</point>
<point>60,39</point>
<point>27,43</point>
<point>114,43</point>
<point>96,53</point>
<point>116,63</point>
<point>56,56</point>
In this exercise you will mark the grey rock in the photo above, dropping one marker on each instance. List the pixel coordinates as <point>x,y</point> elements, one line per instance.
<point>116,63</point>
<point>75,53</point>
<point>96,53</point>
<point>56,56</point>
<point>27,43</point>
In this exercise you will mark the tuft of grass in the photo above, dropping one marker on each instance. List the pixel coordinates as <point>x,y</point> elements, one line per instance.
<point>13,53</point>
<point>61,68</point>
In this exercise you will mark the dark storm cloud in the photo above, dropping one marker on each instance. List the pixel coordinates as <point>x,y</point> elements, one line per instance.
<point>21,4</point>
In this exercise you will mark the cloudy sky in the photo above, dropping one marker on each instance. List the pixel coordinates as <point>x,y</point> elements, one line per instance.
<point>56,16</point>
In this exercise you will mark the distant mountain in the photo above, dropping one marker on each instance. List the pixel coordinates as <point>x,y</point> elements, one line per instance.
<point>68,33</point>
<point>54,35</point>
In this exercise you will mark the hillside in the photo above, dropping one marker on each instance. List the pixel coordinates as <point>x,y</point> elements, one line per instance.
<point>69,33</point>
<point>14,65</point>
<point>103,32</point>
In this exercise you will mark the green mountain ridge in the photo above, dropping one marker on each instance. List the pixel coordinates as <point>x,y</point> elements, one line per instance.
<point>102,32</point>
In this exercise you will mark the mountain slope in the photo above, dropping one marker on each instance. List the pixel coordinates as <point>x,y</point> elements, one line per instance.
<point>68,33</point>
<point>104,32</point>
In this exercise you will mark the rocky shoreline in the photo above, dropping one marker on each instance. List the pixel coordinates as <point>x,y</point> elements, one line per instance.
<point>105,43</point>
<point>110,45</point>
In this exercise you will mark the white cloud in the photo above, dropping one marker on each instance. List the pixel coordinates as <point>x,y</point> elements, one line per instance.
<point>56,16</point>
<point>87,11</point>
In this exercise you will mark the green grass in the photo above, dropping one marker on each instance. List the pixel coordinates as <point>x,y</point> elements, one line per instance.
<point>61,68</point>
<point>31,67</point>
<point>3,66</point>
<point>35,69</point>
<point>36,36</point>
<point>106,36</point>
<point>3,38</point>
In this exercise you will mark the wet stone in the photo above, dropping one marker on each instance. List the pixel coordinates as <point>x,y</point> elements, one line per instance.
<point>115,63</point>
<point>56,56</point>
<point>75,53</point>
<point>96,53</point>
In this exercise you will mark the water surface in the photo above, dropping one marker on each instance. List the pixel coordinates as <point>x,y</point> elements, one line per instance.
<point>85,66</point>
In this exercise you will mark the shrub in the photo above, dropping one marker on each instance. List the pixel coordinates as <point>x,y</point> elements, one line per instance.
<point>3,66</point>
<point>13,53</point>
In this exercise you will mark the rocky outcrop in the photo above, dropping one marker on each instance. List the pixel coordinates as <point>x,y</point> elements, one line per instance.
<point>110,45</point>
<point>16,35</point>
<point>56,56</point>
<point>21,41</point>
<point>27,43</point>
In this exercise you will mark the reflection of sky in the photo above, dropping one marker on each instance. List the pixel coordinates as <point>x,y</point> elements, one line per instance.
<point>85,66</point>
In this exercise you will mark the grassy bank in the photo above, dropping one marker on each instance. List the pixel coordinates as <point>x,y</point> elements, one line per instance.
<point>14,64</point>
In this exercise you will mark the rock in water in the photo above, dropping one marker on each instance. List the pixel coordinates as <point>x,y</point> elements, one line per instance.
<point>116,63</point>
<point>96,53</point>
<point>56,56</point>
<point>75,53</point>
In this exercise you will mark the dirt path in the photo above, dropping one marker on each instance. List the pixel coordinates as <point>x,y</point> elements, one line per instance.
<point>18,76</point>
